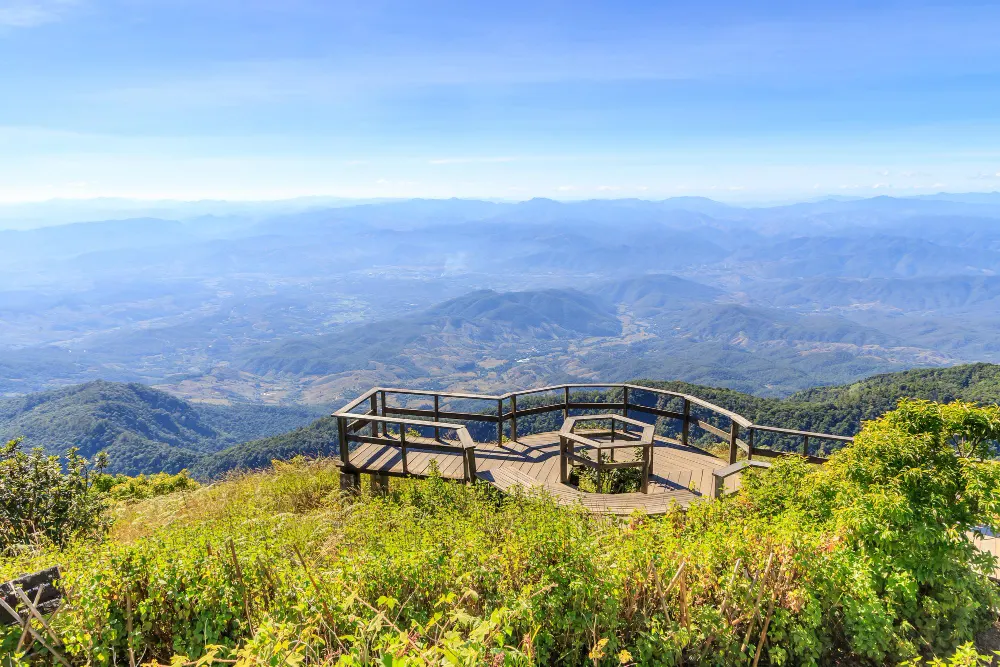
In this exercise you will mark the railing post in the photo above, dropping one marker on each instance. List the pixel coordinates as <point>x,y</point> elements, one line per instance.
<point>513,417</point>
<point>686,426</point>
<point>437,418</point>
<point>805,445</point>
<point>647,467</point>
<point>470,464</point>
<point>565,402</point>
<point>563,468</point>
<point>734,434</point>
<point>600,466</point>
<point>374,411</point>
<point>402,447</point>
<point>385,425</point>
<point>345,457</point>
<point>625,401</point>
<point>499,421</point>
<point>749,439</point>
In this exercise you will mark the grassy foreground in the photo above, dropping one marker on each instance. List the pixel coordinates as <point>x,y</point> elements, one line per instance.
<point>862,561</point>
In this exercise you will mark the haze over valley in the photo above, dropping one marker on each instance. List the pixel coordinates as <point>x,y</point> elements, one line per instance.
<point>310,303</point>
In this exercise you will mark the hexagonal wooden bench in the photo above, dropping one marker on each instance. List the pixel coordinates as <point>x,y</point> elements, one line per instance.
<point>571,441</point>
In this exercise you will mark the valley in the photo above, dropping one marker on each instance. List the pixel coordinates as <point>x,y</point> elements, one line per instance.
<point>309,306</point>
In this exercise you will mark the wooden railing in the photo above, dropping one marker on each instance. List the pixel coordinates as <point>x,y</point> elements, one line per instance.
<point>372,427</point>
<point>736,432</point>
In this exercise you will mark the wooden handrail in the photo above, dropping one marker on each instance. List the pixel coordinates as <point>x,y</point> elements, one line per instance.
<point>738,425</point>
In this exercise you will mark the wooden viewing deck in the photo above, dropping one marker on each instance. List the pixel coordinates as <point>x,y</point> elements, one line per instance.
<point>679,473</point>
<point>402,432</point>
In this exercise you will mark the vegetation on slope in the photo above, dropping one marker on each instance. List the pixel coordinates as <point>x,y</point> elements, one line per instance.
<point>141,429</point>
<point>316,439</point>
<point>865,560</point>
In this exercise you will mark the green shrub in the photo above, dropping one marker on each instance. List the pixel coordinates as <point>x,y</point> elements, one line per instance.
<point>125,488</point>
<point>45,497</point>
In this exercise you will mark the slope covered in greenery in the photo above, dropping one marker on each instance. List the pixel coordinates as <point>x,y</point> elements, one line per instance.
<point>143,430</point>
<point>316,439</point>
<point>863,561</point>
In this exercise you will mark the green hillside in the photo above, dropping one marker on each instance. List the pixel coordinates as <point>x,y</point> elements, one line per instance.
<point>142,429</point>
<point>316,439</point>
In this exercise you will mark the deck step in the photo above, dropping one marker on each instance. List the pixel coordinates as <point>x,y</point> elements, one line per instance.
<point>508,479</point>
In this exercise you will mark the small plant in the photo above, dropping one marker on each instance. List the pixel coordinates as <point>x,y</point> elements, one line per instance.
<point>615,480</point>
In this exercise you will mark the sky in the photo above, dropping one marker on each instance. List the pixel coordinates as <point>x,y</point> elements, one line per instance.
<point>255,99</point>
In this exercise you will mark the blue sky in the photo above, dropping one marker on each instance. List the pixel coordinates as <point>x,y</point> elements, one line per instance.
<point>247,99</point>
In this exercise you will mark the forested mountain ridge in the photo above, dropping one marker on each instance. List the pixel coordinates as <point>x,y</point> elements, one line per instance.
<point>142,429</point>
<point>840,410</point>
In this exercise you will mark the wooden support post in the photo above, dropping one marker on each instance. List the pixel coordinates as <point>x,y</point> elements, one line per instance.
<point>565,402</point>
<point>563,467</point>
<point>402,448</point>
<point>625,401</point>
<point>805,445</point>
<point>734,434</point>
<point>350,481</point>
<point>749,440</point>
<point>499,421</point>
<point>686,426</point>
<point>612,433</point>
<point>345,456</point>
<point>513,417</point>
<point>380,483</point>
<point>437,417</point>
<point>374,411</point>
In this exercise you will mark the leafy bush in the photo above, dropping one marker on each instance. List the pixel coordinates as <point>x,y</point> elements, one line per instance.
<point>123,487</point>
<point>45,497</point>
<point>865,560</point>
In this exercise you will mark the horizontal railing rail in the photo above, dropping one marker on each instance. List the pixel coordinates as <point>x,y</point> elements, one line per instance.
<point>735,431</point>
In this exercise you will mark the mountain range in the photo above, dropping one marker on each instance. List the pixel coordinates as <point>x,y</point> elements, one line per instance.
<point>307,302</point>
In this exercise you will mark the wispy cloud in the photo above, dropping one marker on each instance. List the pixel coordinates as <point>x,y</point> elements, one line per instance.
<point>32,13</point>
<point>470,160</point>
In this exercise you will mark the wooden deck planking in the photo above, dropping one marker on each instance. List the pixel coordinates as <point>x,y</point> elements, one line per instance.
<point>681,473</point>
<point>373,458</point>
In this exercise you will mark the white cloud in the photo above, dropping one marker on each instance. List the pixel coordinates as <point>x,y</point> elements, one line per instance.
<point>31,13</point>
